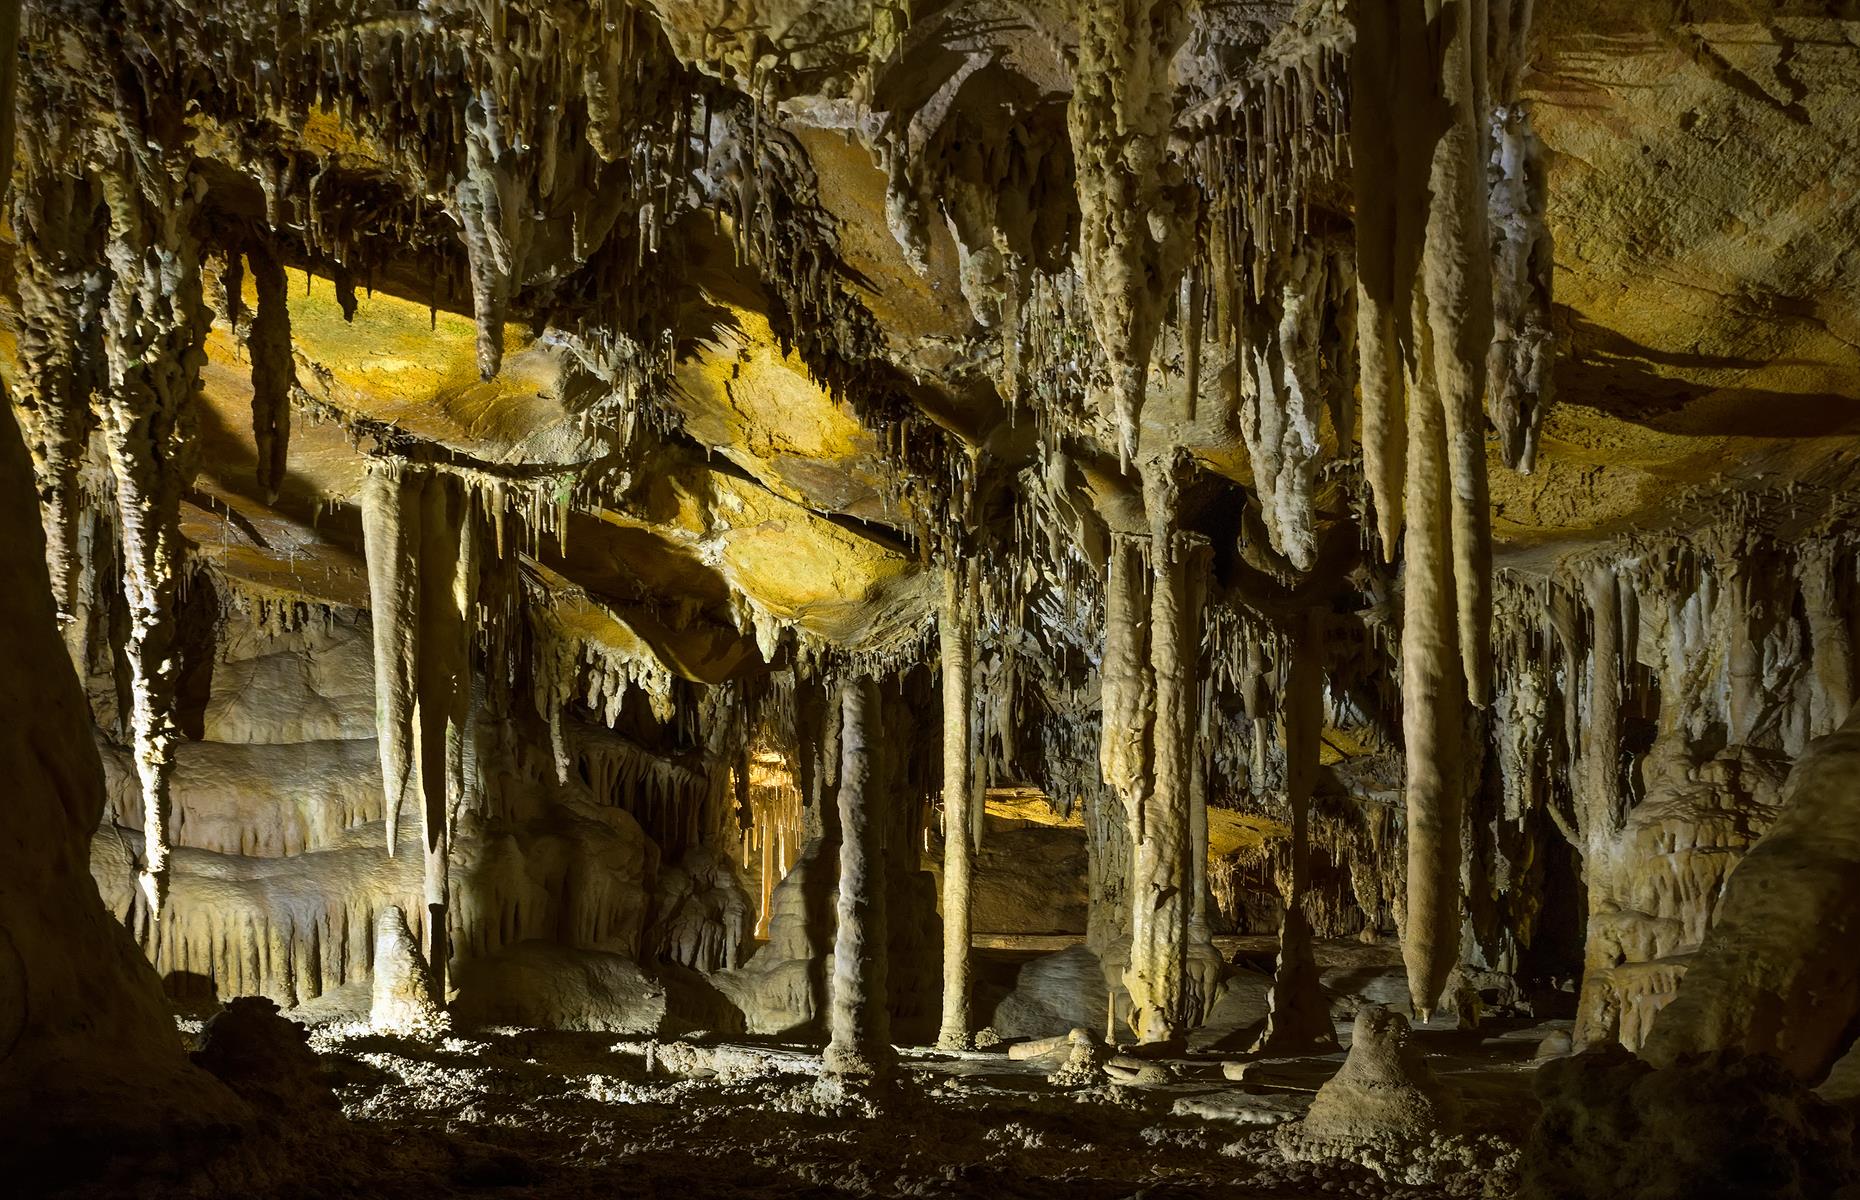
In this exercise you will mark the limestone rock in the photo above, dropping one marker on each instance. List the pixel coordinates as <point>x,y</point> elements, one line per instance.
<point>1616,1128</point>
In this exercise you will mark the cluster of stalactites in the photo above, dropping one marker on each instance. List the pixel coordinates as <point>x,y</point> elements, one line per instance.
<point>1426,333</point>
<point>541,127</point>
<point>1136,208</point>
<point>154,330</point>
<point>1518,366</point>
<point>59,226</point>
<point>1742,640</point>
<point>1296,362</point>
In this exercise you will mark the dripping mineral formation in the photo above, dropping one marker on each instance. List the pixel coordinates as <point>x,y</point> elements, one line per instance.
<point>1044,598</point>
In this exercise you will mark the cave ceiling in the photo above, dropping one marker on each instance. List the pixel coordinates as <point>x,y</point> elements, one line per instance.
<point>751,307</point>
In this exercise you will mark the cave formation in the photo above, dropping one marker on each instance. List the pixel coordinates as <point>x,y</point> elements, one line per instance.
<point>929,597</point>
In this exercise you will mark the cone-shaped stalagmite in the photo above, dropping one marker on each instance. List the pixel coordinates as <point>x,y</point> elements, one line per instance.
<point>1298,1019</point>
<point>858,1023</point>
<point>956,634</point>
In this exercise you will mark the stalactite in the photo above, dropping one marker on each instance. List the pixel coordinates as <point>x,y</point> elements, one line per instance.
<point>858,1021</point>
<point>60,274</point>
<point>1298,1015</point>
<point>420,533</point>
<point>274,373</point>
<point>448,598</point>
<point>1135,208</point>
<point>961,797</point>
<point>1518,367</point>
<point>1457,282</point>
<point>1425,327</point>
<point>391,537</point>
<point>155,324</point>
<point>1282,400</point>
<point>1433,704</point>
<point>1383,266</point>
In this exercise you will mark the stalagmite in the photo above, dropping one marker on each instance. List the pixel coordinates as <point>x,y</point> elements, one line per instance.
<point>274,374</point>
<point>154,325</point>
<point>858,1022</point>
<point>400,1002</point>
<point>957,639</point>
<point>1134,206</point>
<point>1298,1016</point>
<point>1599,815</point>
<point>1128,687</point>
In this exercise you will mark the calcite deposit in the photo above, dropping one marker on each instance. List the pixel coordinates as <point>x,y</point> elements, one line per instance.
<point>1110,597</point>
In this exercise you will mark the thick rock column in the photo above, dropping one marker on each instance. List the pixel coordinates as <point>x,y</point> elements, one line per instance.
<point>1599,807</point>
<point>858,1023</point>
<point>1170,981</point>
<point>957,637</point>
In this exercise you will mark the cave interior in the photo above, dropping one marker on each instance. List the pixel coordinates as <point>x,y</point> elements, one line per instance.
<point>933,598</point>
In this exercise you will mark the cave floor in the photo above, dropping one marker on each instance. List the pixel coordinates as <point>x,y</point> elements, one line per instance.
<point>525,1112</point>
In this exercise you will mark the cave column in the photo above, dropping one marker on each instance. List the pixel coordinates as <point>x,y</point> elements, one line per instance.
<point>1599,808</point>
<point>858,1024</point>
<point>1298,1018</point>
<point>1168,979</point>
<point>956,634</point>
